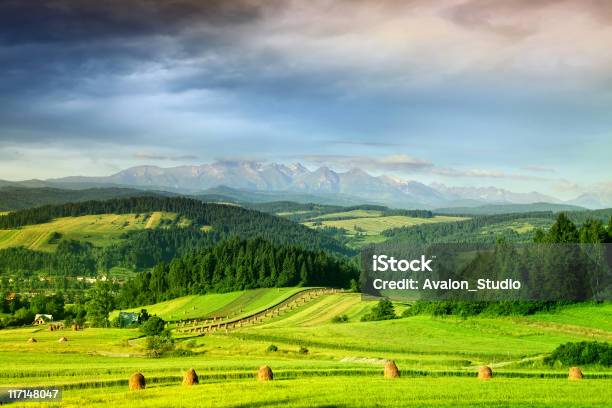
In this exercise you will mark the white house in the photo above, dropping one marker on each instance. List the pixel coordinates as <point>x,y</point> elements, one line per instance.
<point>42,319</point>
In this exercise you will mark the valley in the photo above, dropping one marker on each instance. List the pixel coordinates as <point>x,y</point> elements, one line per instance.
<point>233,287</point>
<point>438,359</point>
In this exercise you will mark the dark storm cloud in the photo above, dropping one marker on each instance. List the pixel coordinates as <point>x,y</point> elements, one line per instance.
<point>269,78</point>
<point>70,21</point>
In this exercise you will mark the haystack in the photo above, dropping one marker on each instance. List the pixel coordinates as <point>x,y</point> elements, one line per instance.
<point>137,382</point>
<point>32,340</point>
<point>391,370</point>
<point>575,374</point>
<point>51,327</point>
<point>62,339</point>
<point>190,377</point>
<point>485,373</point>
<point>75,327</point>
<point>264,373</point>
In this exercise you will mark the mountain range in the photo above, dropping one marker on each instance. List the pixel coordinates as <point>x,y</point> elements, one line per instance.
<point>277,180</point>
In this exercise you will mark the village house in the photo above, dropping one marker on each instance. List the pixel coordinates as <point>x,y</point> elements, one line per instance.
<point>42,319</point>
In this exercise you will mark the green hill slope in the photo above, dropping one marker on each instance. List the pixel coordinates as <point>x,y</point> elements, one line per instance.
<point>100,230</point>
<point>217,304</point>
<point>17,198</point>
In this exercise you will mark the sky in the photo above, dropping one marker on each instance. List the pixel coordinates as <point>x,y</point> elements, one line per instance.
<point>516,93</point>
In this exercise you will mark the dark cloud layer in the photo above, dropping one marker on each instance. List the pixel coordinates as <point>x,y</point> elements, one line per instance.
<point>321,77</point>
<point>70,21</point>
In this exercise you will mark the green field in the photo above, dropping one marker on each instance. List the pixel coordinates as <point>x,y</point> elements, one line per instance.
<point>100,230</point>
<point>438,358</point>
<point>217,305</point>
<point>527,226</point>
<point>350,214</point>
<point>365,227</point>
<point>373,225</point>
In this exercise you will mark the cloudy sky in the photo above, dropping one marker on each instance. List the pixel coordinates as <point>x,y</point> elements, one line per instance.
<point>513,93</point>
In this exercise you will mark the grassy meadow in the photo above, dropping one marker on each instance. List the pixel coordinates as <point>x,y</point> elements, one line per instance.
<point>366,226</point>
<point>100,230</point>
<point>343,365</point>
<point>232,304</point>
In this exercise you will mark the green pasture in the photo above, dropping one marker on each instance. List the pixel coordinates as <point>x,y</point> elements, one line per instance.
<point>525,226</point>
<point>100,230</point>
<point>350,214</point>
<point>354,392</point>
<point>343,364</point>
<point>373,225</point>
<point>365,227</point>
<point>232,304</point>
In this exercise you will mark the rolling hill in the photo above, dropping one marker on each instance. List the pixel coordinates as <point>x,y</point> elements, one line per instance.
<point>100,230</point>
<point>18,198</point>
<point>223,219</point>
<point>492,209</point>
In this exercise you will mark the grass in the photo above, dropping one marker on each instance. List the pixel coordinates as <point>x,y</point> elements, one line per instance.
<point>364,227</point>
<point>438,358</point>
<point>217,305</point>
<point>350,214</point>
<point>372,225</point>
<point>355,392</point>
<point>100,230</point>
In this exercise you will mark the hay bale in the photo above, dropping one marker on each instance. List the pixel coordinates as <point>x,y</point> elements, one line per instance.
<point>190,377</point>
<point>75,327</point>
<point>391,370</point>
<point>485,373</point>
<point>575,373</point>
<point>264,373</point>
<point>32,340</point>
<point>62,339</point>
<point>137,382</point>
<point>51,327</point>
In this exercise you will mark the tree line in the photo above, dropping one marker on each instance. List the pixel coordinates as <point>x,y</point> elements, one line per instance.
<point>237,264</point>
<point>469,231</point>
<point>226,220</point>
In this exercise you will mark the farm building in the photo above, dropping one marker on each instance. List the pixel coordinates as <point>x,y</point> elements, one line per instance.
<point>127,318</point>
<point>42,319</point>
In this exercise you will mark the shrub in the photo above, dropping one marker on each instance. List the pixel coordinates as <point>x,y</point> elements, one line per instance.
<point>468,308</point>
<point>159,344</point>
<point>303,350</point>
<point>180,353</point>
<point>153,326</point>
<point>23,316</point>
<point>585,352</point>
<point>272,348</point>
<point>382,311</point>
<point>340,319</point>
<point>190,343</point>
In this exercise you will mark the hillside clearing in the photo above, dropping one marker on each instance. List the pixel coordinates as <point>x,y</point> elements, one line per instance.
<point>372,225</point>
<point>100,230</point>
<point>218,304</point>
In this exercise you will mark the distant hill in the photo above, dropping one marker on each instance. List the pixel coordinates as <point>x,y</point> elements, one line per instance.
<point>228,194</point>
<point>225,220</point>
<point>492,209</point>
<point>17,198</point>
